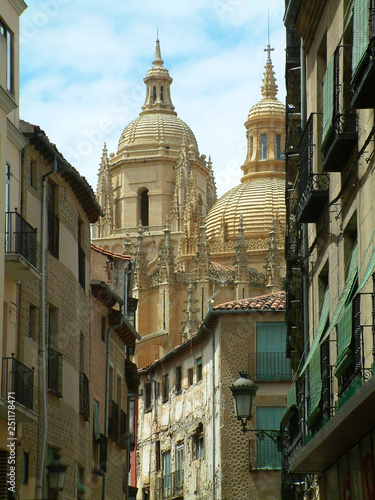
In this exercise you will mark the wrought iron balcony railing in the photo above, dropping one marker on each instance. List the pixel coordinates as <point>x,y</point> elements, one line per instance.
<point>55,368</point>
<point>313,187</point>
<point>20,237</point>
<point>19,380</point>
<point>269,366</point>
<point>340,142</point>
<point>84,396</point>
<point>113,421</point>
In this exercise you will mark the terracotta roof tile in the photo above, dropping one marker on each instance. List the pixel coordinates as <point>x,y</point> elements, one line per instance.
<point>270,302</point>
<point>109,253</point>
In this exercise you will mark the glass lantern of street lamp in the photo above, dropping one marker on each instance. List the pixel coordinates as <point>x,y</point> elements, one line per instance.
<point>56,474</point>
<point>244,392</point>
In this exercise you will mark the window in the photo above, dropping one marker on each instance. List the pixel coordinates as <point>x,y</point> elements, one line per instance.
<point>147,396</point>
<point>263,146</point>
<point>271,361</point>
<point>33,174</point>
<point>180,465</point>
<point>199,368</point>
<point>52,220</point>
<point>190,376</point>
<point>198,443</point>
<point>103,328</point>
<point>25,469</point>
<point>161,93</point>
<point>81,257</point>
<point>251,146</point>
<point>33,322</point>
<point>267,455</point>
<point>119,391</point>
<point>167,473</point>
<point>6,57</point>
<point>178,379</point>
<point>279,154</point>
<point>157,455</point>
<point>144,207</point>
<point>165,388</point>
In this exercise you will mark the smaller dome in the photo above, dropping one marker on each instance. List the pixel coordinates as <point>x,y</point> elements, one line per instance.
<point>259,201</point>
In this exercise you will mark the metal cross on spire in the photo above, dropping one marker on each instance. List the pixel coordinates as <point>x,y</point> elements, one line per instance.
<point>268,49</point>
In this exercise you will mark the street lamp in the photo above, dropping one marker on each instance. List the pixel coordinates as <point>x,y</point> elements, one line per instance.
<point>244,392</point>
<point>56,474</point>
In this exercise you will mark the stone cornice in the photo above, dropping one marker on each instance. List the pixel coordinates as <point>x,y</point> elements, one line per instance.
<point>19,6</point>
<point>6,101</point>
<point>15,135</point>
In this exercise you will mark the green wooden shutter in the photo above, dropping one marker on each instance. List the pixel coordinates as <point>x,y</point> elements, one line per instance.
<point>315,380</point>
<point>344,339</point>
<point>271,359</point>
<point>361,16</point>
<point>328,101</point>
<point>350,280</point>
<point>267,455</point>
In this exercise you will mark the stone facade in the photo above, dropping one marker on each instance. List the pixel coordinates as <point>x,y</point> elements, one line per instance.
<point>331,252</point>
<point>199,403</point>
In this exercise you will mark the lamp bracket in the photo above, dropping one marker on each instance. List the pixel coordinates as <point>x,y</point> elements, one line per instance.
<point>273,434</point>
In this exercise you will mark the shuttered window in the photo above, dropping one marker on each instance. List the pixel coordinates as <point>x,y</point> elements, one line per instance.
<point>272,363</point>
<point>267,455</point>
<point>361,16</point>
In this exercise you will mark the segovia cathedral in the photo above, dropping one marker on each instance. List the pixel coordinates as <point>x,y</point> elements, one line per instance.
<point>190,249</point>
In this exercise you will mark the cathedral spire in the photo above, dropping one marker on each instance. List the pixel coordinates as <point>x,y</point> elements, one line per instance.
<point>158,61</point>
<point>269,87</point>
<point>158,82</point>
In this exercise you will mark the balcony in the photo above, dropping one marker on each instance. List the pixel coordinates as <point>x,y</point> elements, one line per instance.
<point>293,238</point>
<point>18,387</point>
<point>340,142</point>
<point>55,368</point>
<point>293,48</point>
<point>313,187</point>
<point>20,248</point>
<point>113,421</point>
<point>84,396</point>
<point>363,79</point>
<point>269,366</point>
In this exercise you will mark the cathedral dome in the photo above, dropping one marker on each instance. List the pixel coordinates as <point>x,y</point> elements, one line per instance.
<point>152,130</point>
<point>259,201</point>
<point>158,125</point>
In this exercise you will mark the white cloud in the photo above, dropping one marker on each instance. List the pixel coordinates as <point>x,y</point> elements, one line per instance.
<point>83,64</point>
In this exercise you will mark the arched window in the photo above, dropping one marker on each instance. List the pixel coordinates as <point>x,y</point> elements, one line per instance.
<point>144,211</point>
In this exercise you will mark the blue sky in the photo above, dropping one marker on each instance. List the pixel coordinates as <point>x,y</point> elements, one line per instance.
<point>83,64</point>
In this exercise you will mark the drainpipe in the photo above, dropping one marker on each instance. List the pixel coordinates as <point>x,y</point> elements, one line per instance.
<point>305,238</point>
<point>42,351</point>
<point>106,409</point>
<point>213,412</point>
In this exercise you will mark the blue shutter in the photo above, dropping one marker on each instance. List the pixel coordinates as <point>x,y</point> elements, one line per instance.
<point>272,363</point>
<point>267,455</point>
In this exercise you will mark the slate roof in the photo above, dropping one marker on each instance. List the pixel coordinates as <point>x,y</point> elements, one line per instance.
<point>269,302</point>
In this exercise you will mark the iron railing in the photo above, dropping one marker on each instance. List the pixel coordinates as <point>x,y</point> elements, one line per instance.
<point>269,366</point>
<point>19,380</point>
<point>113,421</point>
<point>84,396</point>
<point>177,481</point>
<point>20,237</point>
<point>55,367</point>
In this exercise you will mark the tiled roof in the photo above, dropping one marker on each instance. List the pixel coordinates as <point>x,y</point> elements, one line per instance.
<point>109,253</point>
<point>270,302</point>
